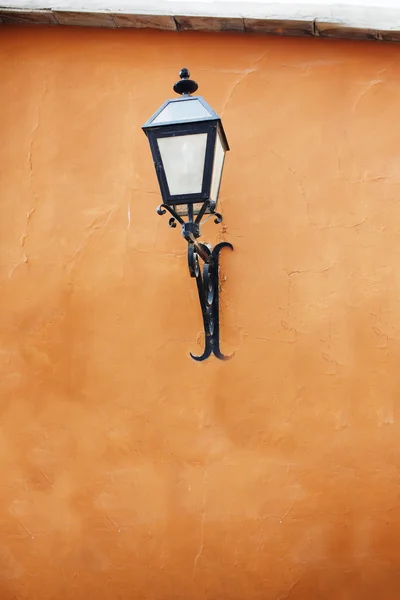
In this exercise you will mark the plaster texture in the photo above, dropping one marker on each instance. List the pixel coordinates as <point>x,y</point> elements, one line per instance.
<point>128,470</point>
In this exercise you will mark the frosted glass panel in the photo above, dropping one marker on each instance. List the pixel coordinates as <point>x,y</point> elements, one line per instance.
<point>183,158</point>
<point>182,110</point>
<point>217,171</point>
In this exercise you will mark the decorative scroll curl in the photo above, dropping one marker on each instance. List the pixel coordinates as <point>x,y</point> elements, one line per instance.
<point>207,281</point>
<point>207,277</point>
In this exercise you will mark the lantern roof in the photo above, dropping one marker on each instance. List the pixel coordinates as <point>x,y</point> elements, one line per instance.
<point>184,110</point>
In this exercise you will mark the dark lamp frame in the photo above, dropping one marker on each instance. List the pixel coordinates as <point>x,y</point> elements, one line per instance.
<point>207,278</point>
<point>210,128</point>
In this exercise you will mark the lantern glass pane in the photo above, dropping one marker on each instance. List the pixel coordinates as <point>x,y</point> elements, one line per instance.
<point>181,110</point>
<point>217,169</point>
<point>183,158</point>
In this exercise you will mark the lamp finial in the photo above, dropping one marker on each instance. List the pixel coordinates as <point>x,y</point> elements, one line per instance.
<point>185,86</point>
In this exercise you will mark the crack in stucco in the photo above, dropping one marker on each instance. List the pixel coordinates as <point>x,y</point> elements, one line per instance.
<point>24,259</point>
<point>340,225</point>
<point>289,168</point>
<point>290,590</point>
<point>25,234</point>
<point>202,523</point>
<point>368,179</point>
<point>300,271</point>
<point>370,86</point>
<point>129,215</point>
<point>30,160</point>
<point>116,527</point>
<point>303,195</point>
<point>95,226</point>
<point>22,241</point>
<point>34,132</point>
<point>291,507</point>
<point>241,78</point>
<point>47,478</point>
<point>277,340</point>
<point>299,184</point>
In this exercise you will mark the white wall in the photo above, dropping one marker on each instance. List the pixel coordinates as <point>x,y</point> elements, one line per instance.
<point>248,8</point>
<point>374,14</point>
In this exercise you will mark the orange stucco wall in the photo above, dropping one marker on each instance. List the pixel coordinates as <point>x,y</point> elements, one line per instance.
<point>128,471</point>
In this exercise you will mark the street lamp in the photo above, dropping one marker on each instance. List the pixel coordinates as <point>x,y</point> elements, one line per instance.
<point>188,145</point>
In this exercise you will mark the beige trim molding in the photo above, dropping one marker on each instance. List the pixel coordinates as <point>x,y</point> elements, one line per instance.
<point>360,20</point>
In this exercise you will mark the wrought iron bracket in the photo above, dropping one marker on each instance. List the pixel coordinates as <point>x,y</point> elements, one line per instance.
<point>206,274</point>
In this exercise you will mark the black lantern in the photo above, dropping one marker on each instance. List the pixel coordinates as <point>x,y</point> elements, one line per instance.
<point>188,145</point>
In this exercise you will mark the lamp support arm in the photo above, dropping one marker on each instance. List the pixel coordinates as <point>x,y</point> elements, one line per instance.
<point>208,288</point>
<point>206,275</point>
